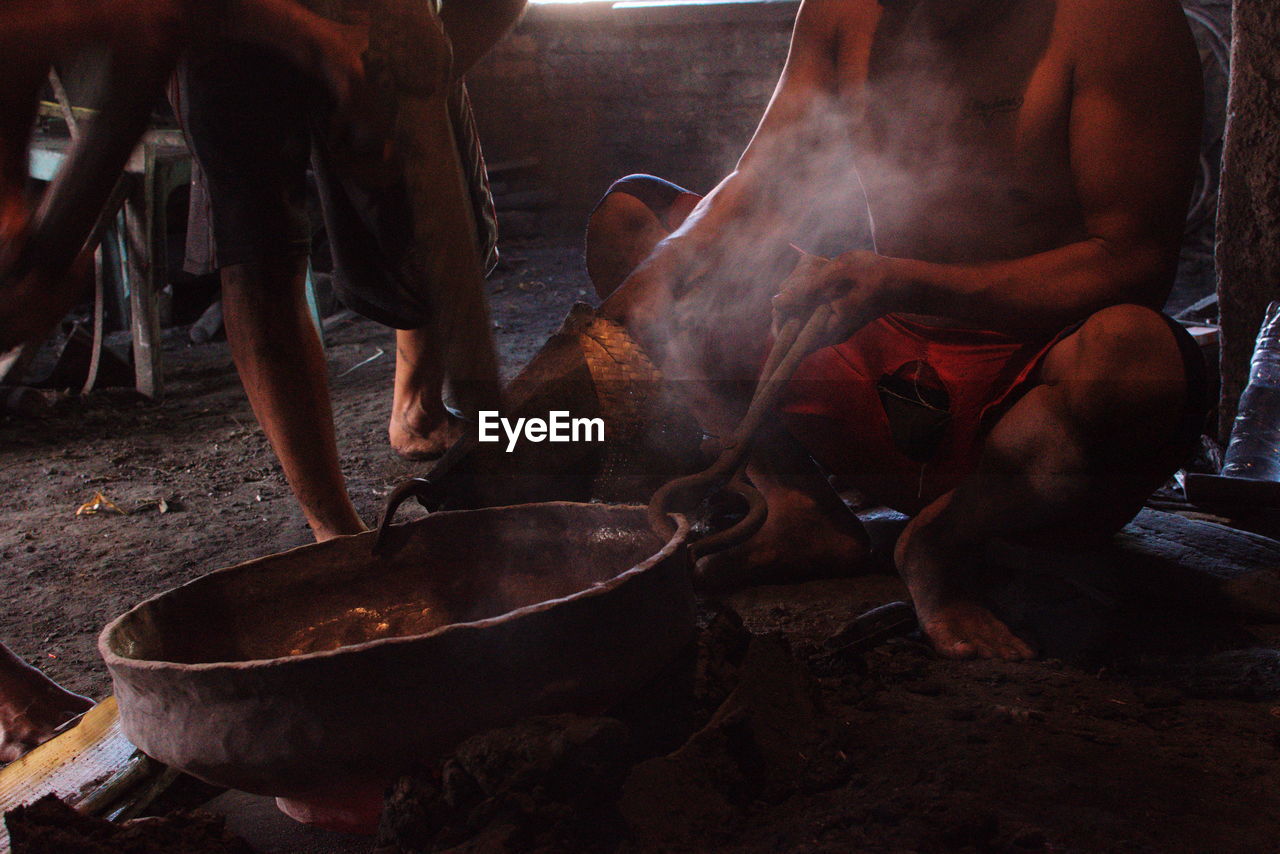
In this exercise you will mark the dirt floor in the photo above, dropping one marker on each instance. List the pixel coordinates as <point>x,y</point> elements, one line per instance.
<point>933,756</point>
<point>201,450</point>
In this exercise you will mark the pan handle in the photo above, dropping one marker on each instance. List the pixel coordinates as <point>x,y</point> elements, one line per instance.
<point>414,487</point>
<point>743,530</point>
<point>663,502</point>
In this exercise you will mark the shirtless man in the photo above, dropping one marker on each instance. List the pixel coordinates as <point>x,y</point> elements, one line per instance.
<point>1000,367</point>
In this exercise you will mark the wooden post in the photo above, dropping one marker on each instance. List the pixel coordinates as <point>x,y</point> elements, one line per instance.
<point>1248,250</point>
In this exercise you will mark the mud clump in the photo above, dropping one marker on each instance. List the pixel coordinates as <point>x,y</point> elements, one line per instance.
<point>767,740</point>
<point>743,725</point>
<point>541,784</point>
<point>49,826</point>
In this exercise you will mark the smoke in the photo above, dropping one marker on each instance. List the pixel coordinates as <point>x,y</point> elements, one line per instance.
<point>904,166</point>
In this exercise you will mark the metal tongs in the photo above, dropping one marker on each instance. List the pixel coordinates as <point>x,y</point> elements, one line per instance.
<point>797,338</point>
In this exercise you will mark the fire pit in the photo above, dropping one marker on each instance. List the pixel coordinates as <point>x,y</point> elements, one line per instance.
<point>322,672</point>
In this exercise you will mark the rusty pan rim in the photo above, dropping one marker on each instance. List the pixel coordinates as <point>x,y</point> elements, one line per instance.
<point>114,659</point>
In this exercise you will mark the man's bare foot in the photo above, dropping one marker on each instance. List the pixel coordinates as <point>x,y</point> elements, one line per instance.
<point>323,533</point>
<point>32,707</point>
<point>416,436</point>
<point>951,617</point>
<point>801,540</point>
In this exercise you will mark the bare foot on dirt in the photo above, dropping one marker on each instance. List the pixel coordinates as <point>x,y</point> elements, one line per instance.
<point>415,435</point>
<point>32,707</point>
<point>324,534</point>
<point>801,540</point>
<point>956,624</point>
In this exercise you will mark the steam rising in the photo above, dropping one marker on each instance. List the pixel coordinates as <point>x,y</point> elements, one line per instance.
<point>913,164</point>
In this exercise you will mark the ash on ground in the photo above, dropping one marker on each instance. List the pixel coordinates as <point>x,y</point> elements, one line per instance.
<point>734,723</point>
<point>757,741</point>
<point>50,826</point>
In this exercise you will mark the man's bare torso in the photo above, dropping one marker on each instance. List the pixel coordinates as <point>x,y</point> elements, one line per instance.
<point>961,134</point>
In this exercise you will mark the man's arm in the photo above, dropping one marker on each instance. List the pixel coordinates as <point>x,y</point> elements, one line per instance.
<point>26,25</point>
<point>1134,132</point>
<point>771,156</point>
<point>47,28</point>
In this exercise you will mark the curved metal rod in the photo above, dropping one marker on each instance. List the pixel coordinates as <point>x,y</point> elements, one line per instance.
<point>795,341</point>
<point>664,500</point>
<point>414,487</point>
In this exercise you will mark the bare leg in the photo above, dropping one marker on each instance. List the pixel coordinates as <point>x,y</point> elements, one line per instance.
<point>458,346</point>
<point>622,232</point>
<point>32,706</point>
<point>282,366</point>
<point>421,427</point>
<point>1075,458</point>
<point>809,531</point>
<point>462,342</point>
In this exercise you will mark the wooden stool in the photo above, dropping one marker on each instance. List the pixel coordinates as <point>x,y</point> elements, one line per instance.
<point>160,165</point>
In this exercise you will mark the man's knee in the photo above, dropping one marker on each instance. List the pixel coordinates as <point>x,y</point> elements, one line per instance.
<point>625,226</point>
<point>619,217</point>
<point>1123,368</point>
<point>634,205</point>
<point>1130,342</point>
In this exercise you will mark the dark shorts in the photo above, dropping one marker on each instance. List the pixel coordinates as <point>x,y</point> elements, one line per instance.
<point>669,202</point>
<point>248,118</point>
<point>913,403</point>
<point>255,125</point>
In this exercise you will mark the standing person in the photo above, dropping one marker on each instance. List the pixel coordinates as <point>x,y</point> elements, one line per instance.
<point>252,122</point>
<point>144,39</point>
<point>38,248</point>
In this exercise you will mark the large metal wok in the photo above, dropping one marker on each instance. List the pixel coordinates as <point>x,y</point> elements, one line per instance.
<point>328,669</point>
<point>319,674</point>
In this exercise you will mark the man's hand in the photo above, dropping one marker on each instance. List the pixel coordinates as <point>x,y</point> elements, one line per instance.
<point>32,706</point>
<point>336,56</point>
<point>856,285</point>
<point>15,225</point>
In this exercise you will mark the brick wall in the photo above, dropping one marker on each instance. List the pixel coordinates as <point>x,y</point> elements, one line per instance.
<point>594,93</point>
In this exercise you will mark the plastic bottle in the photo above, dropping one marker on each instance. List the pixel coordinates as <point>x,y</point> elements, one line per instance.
<point>1254,449</point>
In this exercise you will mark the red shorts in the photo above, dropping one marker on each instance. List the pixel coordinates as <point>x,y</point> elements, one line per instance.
<point>900,409</point>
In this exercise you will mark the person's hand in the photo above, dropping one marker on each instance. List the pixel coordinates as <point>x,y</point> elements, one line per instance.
<point>855,285</point>
<point>337,58</point>
<point>15,225</point>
